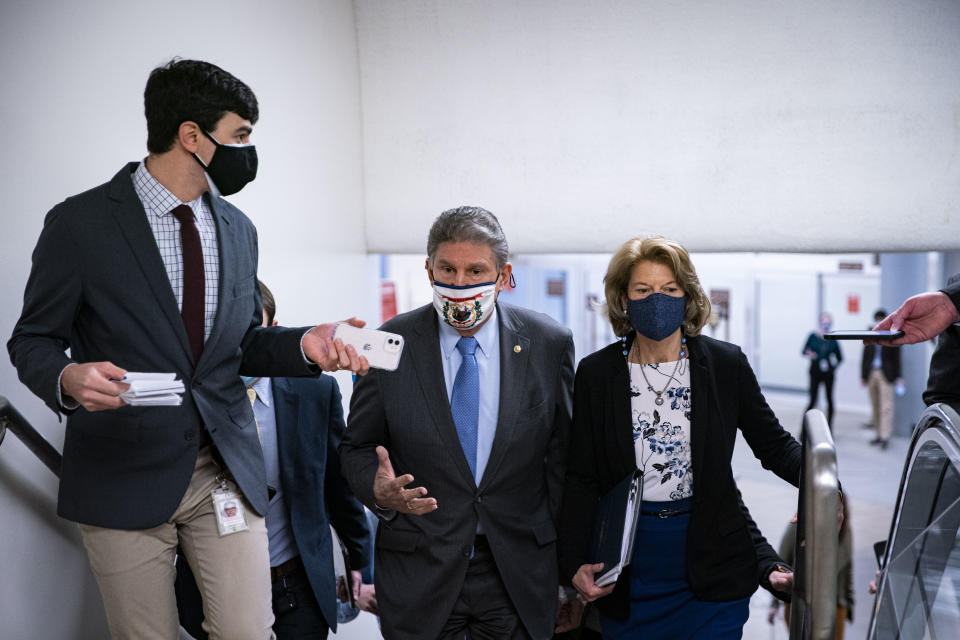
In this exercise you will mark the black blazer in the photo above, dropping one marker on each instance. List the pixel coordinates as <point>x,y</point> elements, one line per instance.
<point>889,362</point>
<point>942,384</point>
<point>727,556</point>
<point>98,287</point>
<point>421,561</point>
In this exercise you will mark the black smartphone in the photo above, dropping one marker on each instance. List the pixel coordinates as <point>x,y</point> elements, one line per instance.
<point>879,548</point>
<point>863,334</point>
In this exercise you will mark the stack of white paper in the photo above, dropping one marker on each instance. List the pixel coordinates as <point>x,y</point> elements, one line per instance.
<point>152,389</point>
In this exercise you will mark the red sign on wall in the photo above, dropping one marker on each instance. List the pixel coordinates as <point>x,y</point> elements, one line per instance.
<point>388,300</point>
<point>853,303</point>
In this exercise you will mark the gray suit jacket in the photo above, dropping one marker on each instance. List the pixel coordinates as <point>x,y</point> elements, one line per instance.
<point>421,561</point>
<point>98,287</point>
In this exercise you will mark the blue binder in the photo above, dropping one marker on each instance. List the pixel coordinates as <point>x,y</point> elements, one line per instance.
<point>614,526</point>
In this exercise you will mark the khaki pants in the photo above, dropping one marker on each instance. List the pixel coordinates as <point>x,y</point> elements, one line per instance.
<point>839,627</point>
<point>881,399</point>
<point>135,571</point>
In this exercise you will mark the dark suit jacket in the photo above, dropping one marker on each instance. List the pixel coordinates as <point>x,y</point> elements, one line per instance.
<point>889,362</point>
<point>309,428</point>
<point>727,555</point>
<point>942,384</point>
<point>98,287</point>
<point>421,561</point>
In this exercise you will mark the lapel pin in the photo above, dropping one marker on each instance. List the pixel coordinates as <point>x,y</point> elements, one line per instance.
<point>516,348</point>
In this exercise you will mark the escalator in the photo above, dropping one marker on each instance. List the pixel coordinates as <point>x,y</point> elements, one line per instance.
<point>919,584</point>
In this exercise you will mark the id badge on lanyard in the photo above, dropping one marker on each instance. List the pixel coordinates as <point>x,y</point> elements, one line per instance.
<point>228,507</point>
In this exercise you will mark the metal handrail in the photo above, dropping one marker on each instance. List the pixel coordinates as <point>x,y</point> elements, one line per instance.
<point>815,611</point>
<point>13,420</point>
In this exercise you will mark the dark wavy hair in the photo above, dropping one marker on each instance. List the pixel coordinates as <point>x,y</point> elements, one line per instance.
<point>194,90</point>
<point>469,224</point>
<point>269,303</point>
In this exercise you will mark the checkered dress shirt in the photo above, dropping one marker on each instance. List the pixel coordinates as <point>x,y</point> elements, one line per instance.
<point>158,202</point>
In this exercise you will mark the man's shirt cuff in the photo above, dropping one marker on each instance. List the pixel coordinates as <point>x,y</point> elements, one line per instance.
<point>61,400</point>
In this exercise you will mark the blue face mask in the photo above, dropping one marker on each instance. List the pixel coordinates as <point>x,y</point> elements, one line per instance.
<point>658,315</point>
<point>249,380</point>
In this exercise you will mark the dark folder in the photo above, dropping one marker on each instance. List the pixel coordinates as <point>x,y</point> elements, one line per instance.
<point>614,526</point>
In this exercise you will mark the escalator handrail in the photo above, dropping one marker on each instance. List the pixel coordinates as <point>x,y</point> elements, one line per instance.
<point>821,490</point>
<point>945,420</point>
<point>13,420</point>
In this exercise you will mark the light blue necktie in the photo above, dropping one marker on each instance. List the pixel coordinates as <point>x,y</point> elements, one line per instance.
<point>465,401</point>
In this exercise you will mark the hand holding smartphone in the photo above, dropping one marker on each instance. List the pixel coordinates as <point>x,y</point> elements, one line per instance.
<point>381,348</point>
<point>863,334</point>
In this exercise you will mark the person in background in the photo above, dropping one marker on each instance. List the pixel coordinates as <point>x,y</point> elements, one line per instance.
<point>787,551</point>
<point>825,356</point>
<point>155,272</point>
<point>478,412</point>
<point>669,401</point>
<point>879,372</point>
<point>301,423</point>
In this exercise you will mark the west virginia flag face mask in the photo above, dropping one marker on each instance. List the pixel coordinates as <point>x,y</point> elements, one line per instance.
<point>464,307</point>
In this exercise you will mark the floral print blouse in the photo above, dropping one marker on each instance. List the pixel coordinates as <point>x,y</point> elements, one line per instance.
<point>661,432</point>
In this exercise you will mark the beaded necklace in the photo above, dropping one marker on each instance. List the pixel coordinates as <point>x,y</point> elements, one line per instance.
<point>659,399</point>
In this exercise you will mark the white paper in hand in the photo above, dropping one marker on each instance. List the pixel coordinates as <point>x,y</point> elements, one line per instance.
<point>152,389</point>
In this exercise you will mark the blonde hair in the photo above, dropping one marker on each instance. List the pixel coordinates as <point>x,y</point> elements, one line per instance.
<point>663,251</point>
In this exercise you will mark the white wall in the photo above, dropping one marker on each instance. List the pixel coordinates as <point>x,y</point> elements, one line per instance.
<point>72,84</point>
<point>728,125</point>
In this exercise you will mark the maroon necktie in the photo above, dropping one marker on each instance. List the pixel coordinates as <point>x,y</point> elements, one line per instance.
<point>192,310</point>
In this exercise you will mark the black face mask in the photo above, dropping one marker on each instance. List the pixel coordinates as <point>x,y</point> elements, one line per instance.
<point>231,167</point>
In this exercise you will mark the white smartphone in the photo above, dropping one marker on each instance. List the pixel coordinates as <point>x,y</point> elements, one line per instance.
<point>381,349</point>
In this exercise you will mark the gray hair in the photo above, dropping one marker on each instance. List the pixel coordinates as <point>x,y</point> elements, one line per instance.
<point>469,224</point>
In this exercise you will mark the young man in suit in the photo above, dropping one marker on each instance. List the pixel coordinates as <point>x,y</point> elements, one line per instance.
<point>151,272</point>
<point>478,411</point>
<point>879,372</point>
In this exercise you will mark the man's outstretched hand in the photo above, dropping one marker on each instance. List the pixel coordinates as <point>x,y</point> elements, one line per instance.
<point>389,491</point>
<point>921,317</point>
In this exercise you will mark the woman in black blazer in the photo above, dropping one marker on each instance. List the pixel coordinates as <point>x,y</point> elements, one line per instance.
<point>668,401</point>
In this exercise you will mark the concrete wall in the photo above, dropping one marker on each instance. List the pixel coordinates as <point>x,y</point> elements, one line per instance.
<point>728,125</point>
<point>72,84</point>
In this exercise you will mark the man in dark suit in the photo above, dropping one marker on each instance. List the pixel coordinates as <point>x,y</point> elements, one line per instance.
<point>151,273</point>
<point>879,372</point>
<point>478,411</point>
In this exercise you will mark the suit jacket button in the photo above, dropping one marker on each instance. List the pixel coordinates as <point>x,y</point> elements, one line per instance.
<point>189,434</point>
<point>478,499</point>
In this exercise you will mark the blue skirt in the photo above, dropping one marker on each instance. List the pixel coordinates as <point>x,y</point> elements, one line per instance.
<point>661,602</point>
